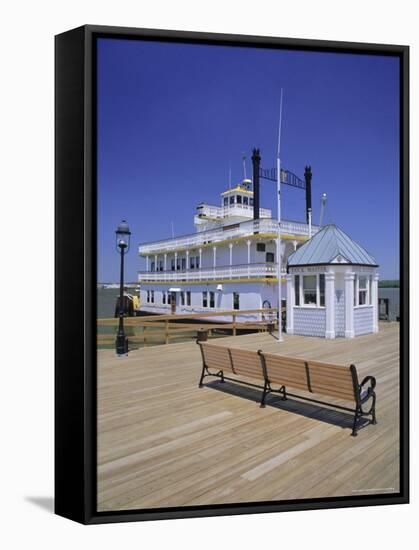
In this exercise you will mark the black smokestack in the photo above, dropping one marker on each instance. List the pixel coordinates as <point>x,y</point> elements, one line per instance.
<point>307,176</point>
<point>256,182</point>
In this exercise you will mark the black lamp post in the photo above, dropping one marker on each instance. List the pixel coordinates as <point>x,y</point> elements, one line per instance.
<point>123,235</point>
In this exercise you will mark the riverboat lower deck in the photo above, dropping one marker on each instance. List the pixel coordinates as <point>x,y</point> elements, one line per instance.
<point>164,442</point>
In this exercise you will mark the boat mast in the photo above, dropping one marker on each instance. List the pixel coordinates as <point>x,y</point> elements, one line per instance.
<point>278,240</point>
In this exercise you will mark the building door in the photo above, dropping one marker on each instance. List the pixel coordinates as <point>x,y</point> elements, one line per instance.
<point>173,302</point>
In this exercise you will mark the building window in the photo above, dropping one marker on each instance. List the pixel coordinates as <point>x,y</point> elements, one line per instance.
<point>245,200</point>
<point>148,296</point>
<point>270,257</point>
<point>192,262</point>
<point>225,201</point>
<point>260,247</point>
<point>153,266</point>
<point>188,297</point>
<point>310,290</point>
<point>205,299</point>
<point>239,199</point>
<point>173,264</point>
<point>236,300</point>
<point>362,290</point>
<point>321,289</point>
<point>183,264</point>
<point>152,296</point>
<point>182,298</point>
<point>232,199</point>
<point>178,264</point>
<point>169,298</point>
<point>160,265</point>
<point>197,262</point>
<point>164,297</point>
<point>212,299</point>
<point>297,289</point>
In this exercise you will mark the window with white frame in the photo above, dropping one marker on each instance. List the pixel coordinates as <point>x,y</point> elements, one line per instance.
<point>309,290</point>
<point>164,297</point>
<point>212,299</point>
<point>362,290</point>
<point>188,297</point>
<point>236,300</point>
<point>152,296</point>
<point>205,299</point>
<point>297,289</point>
<point>182,298</point>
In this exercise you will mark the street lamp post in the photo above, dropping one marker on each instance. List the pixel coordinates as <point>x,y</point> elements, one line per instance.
<point>123,235</point>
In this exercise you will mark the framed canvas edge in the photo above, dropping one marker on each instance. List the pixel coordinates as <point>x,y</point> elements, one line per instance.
<point>75,418</point>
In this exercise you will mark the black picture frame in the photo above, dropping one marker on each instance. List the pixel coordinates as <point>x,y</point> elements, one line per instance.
<point>75,274</point>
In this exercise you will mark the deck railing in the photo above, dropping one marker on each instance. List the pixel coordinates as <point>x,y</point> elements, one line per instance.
<point>161,329</point>
<point>212,236</point>
<point>245,271</point>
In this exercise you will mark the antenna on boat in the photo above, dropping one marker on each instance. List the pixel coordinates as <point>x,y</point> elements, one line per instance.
<point>244,166</point>
<point>278,240</point>
<point>322,208</point>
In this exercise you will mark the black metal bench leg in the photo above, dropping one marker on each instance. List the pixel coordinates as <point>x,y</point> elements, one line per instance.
<point>284,393</point>
<point>222,376</point>
<point>265,391</point>
<point>202,376</point>
<point>355,424</point>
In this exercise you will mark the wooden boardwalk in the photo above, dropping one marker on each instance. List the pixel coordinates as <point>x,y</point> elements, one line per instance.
<point>162,441</point>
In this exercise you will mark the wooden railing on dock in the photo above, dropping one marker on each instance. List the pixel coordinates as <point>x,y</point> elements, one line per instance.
<point>161,329</point>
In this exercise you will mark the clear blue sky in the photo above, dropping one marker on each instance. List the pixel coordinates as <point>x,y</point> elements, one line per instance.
<point>171,117</point>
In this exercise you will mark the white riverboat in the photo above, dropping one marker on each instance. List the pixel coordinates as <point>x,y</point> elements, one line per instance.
<point>229,263</point>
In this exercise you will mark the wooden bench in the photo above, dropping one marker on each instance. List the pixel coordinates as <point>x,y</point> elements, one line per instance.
<point>313,377</point>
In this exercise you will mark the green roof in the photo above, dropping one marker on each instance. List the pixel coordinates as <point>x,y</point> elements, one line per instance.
<point>331,246</point>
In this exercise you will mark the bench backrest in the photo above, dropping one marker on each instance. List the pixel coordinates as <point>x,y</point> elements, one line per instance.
<point>311,376</point>
<point>216,357</point>
<point>332,380</point>
<point>247,363</point>
<point>286,371</point>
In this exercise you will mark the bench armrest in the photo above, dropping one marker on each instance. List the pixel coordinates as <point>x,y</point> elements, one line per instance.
<point>366,393</point>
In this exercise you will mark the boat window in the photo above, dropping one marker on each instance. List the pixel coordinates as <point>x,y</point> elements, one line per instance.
<point>173,264</point>
<point>310,290</point>
<point>321,289</point>
<point>178,264</point>
<point>169,298</point>
<point>270,257</point>
<point>245,200</point>
<point>148,296</point>
<point>251,202</point>
<point>152,266</point>
<point>236,300</point>
<point>182,298</point>
<point>188,297</point>
<point>232,199</point>
<point>239,199</point>
<point>192,262</point>
<point>225,201</point>
<point>152,296</point>
<point>183,264</point>
<point>164,297</point>
<point>212,299</point>
<point>197,262</point>
<point>297,289</point>
<point>260,247</point>
<point>205,299</point>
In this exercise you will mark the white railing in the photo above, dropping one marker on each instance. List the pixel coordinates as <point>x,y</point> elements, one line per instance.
<point>245,271</point>
<point>243,229</point>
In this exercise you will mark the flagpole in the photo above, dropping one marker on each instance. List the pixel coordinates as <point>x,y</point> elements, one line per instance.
<point>278,240</point>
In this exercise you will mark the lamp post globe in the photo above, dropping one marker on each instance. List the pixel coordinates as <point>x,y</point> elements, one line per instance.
<point>123,235</point>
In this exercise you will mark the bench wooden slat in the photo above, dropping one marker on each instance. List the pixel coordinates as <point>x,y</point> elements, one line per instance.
<point>247,363</point>
<point>216,357</point>
<point>286,373</point>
